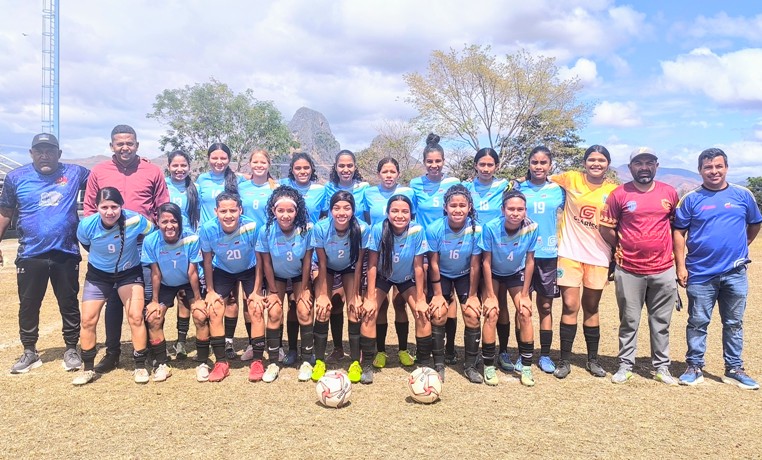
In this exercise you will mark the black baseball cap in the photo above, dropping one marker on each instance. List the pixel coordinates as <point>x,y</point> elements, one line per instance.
<point>44,138</point>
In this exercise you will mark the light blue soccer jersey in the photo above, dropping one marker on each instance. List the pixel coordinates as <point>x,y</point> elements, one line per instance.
<point>254,199</point>
<point>314,197</point>
<point>209,185</point>
<point>455,248</point>
<point>178,195</point>
<point>488,199</point>
<point>233,252</point>
<point>173,259</point>
<point>377,197</point>
<point>287,251</point>
<point>358,192</point>
<point>337,248</point>
<point>543,203</point>
<point>508,251</point>
<point>406,246</point>
<point>429,198</point>
<point>106,243</point>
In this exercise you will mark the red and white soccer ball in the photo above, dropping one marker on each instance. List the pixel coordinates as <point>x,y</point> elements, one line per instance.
<point>333,389</point>
<point>425,385</point>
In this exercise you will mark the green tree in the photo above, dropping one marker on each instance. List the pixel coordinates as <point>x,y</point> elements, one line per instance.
<point>755,185</point>
<point>397,139</point>
<point>481,100</point>
<point>200,115</point>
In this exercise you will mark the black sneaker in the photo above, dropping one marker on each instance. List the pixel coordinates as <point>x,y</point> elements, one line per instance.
<point>180,351</point>
<point>230,353</point>
<point>473,375</point>
<point>441,370</point>
<point>595,368</point>
<point>563,369</point>
<point>451,359</point>
<point>108,363</point>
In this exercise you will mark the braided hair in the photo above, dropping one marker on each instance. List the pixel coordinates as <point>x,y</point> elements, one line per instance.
<point>302,156</point>
<point>291,194</point>
<point>112,194</point>
<point>460,189</point>
<point>231,180</point>
<point>357,177</point>
<point>387,235</point>
<point>191,192</point>
<point>355,232</point>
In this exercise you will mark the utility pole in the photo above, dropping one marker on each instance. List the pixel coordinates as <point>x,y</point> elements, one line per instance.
<point>50,67</point>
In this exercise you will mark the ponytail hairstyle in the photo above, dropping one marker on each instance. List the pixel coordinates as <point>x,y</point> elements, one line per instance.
<point>387,235</point>
<point>231,180</point>
<point>460,189</point>
<point>173,209</point>
<point>302,156</point>
<point>112,194</point>
<point>538,149</point>
<point>357,177</point>
<point>355,232</point>
<point>284,192</point>
<point>432,145</point>
<point>191,192</point>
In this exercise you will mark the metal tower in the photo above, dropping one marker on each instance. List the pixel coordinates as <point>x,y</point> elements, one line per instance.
<point>50,60</point>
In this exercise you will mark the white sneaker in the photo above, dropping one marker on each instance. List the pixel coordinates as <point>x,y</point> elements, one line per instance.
<point>141,375</point>
<point>305,372</point>
<point>83,378</point>
<point>623,375</point>
<point>664,376</point>
<point>248,354</point>
<point>271,373</point>
<point>162,373</point>
<point>202,372</point>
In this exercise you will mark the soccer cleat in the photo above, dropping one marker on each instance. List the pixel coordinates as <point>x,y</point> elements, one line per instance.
<point>562,370</point>
<point>355,372</point>
<point>281,354</point>
<point>28,361</point>
<point>692,376</point>
<point>406,359</point>
<point>83,378</point>
<point>202,372</point>
<point>518,366</point>
<point>271,373</point>
<point>336,355</point>
<point>220,371</point>
<point>473,375</point>
<point>664,376</point>
<point>180,351</point>
<point>248,354</point>
<point>440,368</point>
<point>595,368</point>
<point>318,371</point>
<point>256,371</point>
<point>526,376</point>
<point>623,375</point>
<point>504,361</point>
<point>366,378</point>
<point>305,372</point>
<point>740,378</point>
<point>229,351</point>
<point>451,359</point>
<point>490,375</point>
<point>290,358</point>
<point>379,362</point>
<point>108,363</point>
<point>546,364</point>
<point>162,373</point>
<point>141,375</point>
<point>71,360</point>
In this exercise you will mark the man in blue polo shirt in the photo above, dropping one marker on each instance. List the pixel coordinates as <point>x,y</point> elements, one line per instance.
<point>716,223</point>
<point>44,193</point>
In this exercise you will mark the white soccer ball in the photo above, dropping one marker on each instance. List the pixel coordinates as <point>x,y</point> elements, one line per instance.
<point>333,389</point>
<point>425,385</point>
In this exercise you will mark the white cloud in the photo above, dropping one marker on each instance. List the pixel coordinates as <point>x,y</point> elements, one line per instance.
<point>616,114</point>
<point>731,79</point>
<point>584,69</point>
<point>722,25</point>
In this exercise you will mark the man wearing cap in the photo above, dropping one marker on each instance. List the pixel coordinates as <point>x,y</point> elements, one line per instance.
<point>636,222</point>
<point>716,223</point>
<point>144,189</point>
<point>45,195</point>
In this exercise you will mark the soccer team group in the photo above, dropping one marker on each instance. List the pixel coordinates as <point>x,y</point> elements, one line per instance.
<point>299,254</point>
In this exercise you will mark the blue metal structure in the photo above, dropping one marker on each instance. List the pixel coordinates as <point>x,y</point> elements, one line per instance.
<point>50,67</point>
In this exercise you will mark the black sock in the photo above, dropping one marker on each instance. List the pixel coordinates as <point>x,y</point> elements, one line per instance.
<point>272,337</point>
<point>337,328</point>
<point>183,324</point>
<point>292,332</point>
<point>258,346</point>
<point>423,348</point>
<point>320,333</point>
<point>488,353</point>
<point>438,343</point>
<point>471,336</point>
<point>246,324</point>
<point>402,329</point>
<point>218,347</point>
<point>230,325</point>
<point>526,350</point>
<point>280,336</point>
<point>566,333</point>
<point>451,327</point>
<point>160,352</point>
<point>546,339</point>
<point>503,334</point>
<point>308,347</point>
<point>88,358</point>
<point>140,357</point>
<point>381,337</point>
<point>368,346</point>
<point>592,338</point>
<point>202,350</point>
<point>354,340</point>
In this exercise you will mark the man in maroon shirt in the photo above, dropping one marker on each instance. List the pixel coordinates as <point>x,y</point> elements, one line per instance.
<point>636,221</point>
<point>144,189</point>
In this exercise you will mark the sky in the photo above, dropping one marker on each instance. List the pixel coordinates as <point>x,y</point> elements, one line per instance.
<point>678,76</point>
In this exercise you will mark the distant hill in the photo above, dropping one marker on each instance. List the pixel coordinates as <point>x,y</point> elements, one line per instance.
<point>313,132</point>
<point>682,179</point>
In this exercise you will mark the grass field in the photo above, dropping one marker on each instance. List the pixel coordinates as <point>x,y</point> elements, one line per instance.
<point>581,416</point>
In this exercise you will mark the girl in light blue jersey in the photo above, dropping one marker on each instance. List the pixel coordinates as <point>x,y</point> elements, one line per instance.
<point>487,190</point>
<point>508,246</point>
<point>455,267</point>
<point>283,246</point>
<point>340,243</point>
<point>302,176</point>
<point>396,259</point>
<point>430,188</point>
<point>172,253</point>
<point>111,238</point>
<point>256,191</point>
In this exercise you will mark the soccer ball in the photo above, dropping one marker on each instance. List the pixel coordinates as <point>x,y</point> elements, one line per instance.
<point>425,385</point>
<point>333,389</point>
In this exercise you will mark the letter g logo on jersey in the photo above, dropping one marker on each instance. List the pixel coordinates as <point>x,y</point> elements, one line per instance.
<point>587,212</point>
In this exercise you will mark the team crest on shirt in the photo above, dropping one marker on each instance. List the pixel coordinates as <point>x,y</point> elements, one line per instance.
<point>728,205</point>
<point>62,181</point>
<point>163,253</point>
<point>666,204</point>
<point>631,206</point>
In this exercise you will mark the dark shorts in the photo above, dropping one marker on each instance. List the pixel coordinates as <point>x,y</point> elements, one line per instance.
<point>289,282</point>
<point>544,279</point>
<point>225,283</point>
<point>386,285</point>
<point>167,294</point>
<point>99,284</point>
<point>461,285</point>
<point>509,281</point>
<point>336,275</point>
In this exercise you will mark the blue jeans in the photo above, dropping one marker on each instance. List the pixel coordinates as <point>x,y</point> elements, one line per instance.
<point>729,292</point>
